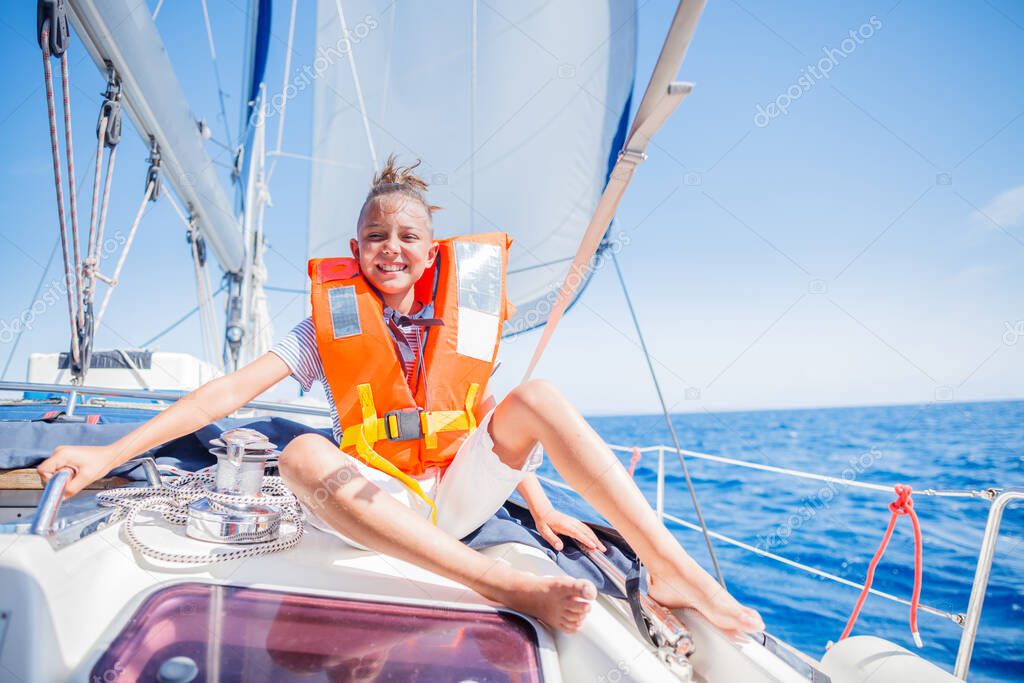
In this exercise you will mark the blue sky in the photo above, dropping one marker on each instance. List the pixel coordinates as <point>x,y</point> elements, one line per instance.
<point>864,247</point>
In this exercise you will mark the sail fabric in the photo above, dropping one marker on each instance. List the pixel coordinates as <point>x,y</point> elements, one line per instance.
<point>516,108</point>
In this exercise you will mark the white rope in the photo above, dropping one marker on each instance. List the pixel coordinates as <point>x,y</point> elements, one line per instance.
<point>216,69</point>
<point>173,500</point>
<point>472,118</point>
<point>204,299</point>
<point>159,4</point>
<point>204,293</point>
<point>98,215</point>
<point>284,90</point>
<point>359,89</point>
<point>387,62</point>
<point>124,255</point>
<point>69,264</point>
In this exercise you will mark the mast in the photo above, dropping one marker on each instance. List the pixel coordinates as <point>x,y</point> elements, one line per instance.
<point>248,331</point>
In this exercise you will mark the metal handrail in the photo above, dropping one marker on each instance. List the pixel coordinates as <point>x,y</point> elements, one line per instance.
<point>980,584</point>
<point>986,494</point>
<point>153,395</point>
<point>49,502</point>
<point>44,522</point>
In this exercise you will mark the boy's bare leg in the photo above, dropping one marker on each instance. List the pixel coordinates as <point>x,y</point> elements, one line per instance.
<point>537,411</point>
<point>327,482</point>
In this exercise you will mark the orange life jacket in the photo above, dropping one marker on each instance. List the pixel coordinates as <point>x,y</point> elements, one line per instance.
<point>396,428</point>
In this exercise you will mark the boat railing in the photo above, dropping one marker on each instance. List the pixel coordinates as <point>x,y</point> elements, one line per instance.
<point>969,621</point>
<point>74,393</point>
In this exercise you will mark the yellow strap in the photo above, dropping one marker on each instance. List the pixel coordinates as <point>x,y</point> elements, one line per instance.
<point>364,448</point>
<point>373,429</point>
<point>470,400</point>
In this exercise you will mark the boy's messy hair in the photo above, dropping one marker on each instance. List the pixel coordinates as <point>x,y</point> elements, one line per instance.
<point>394,178</point>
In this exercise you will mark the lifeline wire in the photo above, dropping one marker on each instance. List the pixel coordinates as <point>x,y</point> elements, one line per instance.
<point>668,421</point>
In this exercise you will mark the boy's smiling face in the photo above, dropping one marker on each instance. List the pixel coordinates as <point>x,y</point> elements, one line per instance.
<point>394,245</point>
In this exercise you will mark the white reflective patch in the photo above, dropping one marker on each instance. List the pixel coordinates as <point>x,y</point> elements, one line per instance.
<point>478,268</point>
<point>478,332</point>
<point>344,311</point>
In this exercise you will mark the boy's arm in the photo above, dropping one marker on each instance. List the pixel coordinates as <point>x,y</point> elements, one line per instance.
<point>550,522</point>
<point>199,408</point>
<point>533,493</point>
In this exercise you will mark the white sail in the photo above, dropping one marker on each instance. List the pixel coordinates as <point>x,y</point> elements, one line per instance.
<point>516,109</point>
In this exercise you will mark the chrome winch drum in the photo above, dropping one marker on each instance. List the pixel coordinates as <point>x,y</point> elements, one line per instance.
<point>233,512</point>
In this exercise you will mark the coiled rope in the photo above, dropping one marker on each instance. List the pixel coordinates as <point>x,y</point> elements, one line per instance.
<point>173,501</point>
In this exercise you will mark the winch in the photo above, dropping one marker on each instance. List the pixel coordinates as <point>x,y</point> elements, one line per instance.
<point>231,503</point>
<point>234,512</point>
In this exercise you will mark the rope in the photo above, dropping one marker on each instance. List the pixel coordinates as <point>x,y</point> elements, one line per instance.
<point>59,186</point>
<point>284,90</point>
<point>101,134</point>
<point>216,69</point>
<point>65,82</point>
<point>633,460</point>
<point>124,254</point>
<point>173,501</point>
<point>903,505</point>
<point>668,421</point>
<point>359,89</point>
<point>208,314</point>
<point>98,215</point>
<point>204,298</point>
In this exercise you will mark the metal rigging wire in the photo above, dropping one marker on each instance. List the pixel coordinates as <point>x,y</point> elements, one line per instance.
<point>668,421</point>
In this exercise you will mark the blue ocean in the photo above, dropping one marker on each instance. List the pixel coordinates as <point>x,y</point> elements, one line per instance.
<point>943,446</point>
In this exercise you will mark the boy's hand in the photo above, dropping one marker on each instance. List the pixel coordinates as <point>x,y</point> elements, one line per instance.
<point>89,463</point>
<point>552,523</point>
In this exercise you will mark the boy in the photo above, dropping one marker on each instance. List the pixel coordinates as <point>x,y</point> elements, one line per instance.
<point>415,501</point>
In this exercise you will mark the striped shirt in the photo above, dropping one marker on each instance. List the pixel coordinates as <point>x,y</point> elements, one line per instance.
<point>299,351</point>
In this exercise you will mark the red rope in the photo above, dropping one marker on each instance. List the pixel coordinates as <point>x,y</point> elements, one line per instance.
<point>903,505</point>
<point>634,460</point>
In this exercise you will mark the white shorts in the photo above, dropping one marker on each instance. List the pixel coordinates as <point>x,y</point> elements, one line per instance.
<point>467,493</point>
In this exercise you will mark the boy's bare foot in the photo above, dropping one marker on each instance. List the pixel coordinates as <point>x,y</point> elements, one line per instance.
<point>561,602</point>
<point>713,601</point>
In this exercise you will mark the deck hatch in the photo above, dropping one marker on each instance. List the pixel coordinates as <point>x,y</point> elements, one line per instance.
<point>272,636</point>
